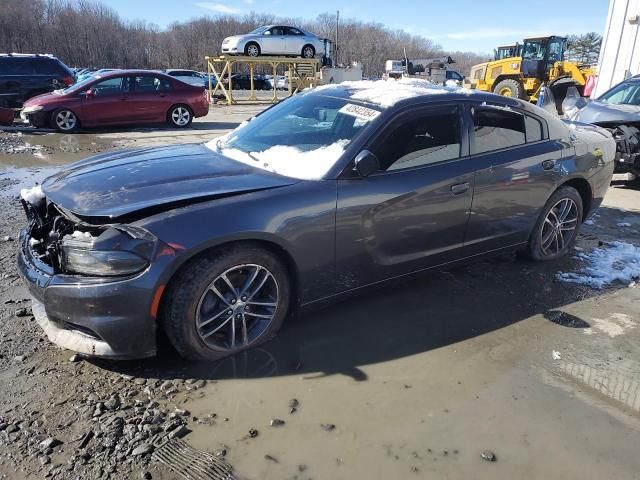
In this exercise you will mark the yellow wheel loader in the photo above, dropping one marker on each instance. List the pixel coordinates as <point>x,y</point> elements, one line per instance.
<point>540,63</point>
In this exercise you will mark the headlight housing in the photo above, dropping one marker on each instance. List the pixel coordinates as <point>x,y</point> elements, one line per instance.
<point>79,255</point>
<point>32,108</point>
<point>101,263</point>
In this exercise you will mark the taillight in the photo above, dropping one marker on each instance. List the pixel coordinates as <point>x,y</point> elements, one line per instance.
<point>68,80</point>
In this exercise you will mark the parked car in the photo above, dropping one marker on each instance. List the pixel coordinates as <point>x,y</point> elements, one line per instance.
<point>274,40</point>
<point>242,81</point>
<point>92,72</point>
<point>617,110</point>
<point>23,76</point>
<point>120,97</point>
<point>190,76</point>
<point>280,82</point>
<point>321,195</point>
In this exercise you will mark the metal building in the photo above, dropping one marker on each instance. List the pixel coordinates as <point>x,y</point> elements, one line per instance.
<point>620,52</point>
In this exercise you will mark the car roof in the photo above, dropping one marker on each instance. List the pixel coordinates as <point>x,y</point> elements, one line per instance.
<point>116,73</point>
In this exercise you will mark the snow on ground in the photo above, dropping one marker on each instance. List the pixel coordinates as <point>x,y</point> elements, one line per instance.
<point>615,262</point>
<point>389,92</point>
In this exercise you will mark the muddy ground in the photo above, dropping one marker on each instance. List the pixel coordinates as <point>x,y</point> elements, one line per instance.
<point>415,380</point>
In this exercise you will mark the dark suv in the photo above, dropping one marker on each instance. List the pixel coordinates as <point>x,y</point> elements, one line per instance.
<point>23,76</point>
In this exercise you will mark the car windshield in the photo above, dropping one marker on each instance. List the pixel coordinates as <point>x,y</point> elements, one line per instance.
<point>623,94</point>
<point>301,137</point>
<point>76,87</point>
<point>259,30</point>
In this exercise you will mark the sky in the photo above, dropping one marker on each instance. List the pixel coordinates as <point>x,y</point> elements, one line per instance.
<point>468,25</point>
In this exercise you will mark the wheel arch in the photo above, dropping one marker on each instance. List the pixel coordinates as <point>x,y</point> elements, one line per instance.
<point>584,189</point>
<point>270,245</point>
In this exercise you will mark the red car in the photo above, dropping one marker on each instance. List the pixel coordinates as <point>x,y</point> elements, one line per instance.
<point>118,98</point>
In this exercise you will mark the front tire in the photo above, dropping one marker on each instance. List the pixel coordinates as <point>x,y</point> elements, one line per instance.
<point>180,116</point>
<point>64,120</point>
<point>557,227</point>
<point>252,50</point>
<point>231,300</point>
<point>510,88</point>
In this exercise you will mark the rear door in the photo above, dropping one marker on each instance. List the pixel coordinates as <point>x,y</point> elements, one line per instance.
<point>412,214</point>
<point>106,102</point>
<point>295,40</point>
<point>515,175</point>
<point>150,97</point>
<point>275,42</point>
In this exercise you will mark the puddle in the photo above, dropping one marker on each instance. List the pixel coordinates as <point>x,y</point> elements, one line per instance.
<point>31,148</point>
<point>12,179</point>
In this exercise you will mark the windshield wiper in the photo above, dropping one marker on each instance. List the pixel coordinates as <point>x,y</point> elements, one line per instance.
<point>253,157</point>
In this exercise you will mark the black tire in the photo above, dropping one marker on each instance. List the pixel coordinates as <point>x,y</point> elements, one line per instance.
<point>308,51</point>
<point>180,116</point>
<point>514,87</point>
<point>534,250</point>
<point>251,52</point>
<point>183,298</point>
<point>71,124</point>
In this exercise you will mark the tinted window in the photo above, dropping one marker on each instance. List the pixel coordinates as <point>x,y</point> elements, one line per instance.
<point>496,129</point>
<point>277,31</point>
<point>151,84</point>
<point>293,31</point>
<point>431,138</point>
<point>534,129</point>
<point>30,66</point>
<point>112,86</point>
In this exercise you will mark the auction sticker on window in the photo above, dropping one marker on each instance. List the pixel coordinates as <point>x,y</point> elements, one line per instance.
<point>358,111</point>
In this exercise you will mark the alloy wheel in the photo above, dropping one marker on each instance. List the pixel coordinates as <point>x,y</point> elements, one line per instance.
<point>559,227</point>
<point>237,307</point>
<point>253,51</point>
<point>180,116</point>
<point>66,120</point>
<point>308,52</point>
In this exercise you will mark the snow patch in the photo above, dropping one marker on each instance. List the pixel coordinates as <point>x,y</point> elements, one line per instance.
<point>32,195</point>
<point>616,262</point>
<point>614,325</point>
<point>624,224</point>
<point>389,92</point>
<point>82,235</point>
<point>291,161</point>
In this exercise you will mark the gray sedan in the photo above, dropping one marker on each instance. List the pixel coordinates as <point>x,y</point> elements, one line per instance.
<point>321,196</point>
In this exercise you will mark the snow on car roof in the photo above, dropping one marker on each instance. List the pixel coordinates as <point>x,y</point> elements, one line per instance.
<point>387,93</point>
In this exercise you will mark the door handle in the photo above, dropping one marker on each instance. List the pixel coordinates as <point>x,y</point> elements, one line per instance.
<point>548,164</point>
<point>459,188</point>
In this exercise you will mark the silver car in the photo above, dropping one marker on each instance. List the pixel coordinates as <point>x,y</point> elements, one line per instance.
<point>274,40</point>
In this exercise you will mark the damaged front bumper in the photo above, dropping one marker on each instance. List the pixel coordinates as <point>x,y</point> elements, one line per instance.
<point>103,317</point>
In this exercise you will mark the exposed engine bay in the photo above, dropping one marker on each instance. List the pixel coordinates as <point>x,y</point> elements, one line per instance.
<point>66,244</point>
<point>627,137</point>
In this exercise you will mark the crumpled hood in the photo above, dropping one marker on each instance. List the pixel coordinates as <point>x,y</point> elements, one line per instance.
<point>119,183</point>
<point>600,112</point>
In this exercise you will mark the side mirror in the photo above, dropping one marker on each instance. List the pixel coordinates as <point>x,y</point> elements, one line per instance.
<point>88,93</point>
<point>268,32</point>
<point>366,163</point>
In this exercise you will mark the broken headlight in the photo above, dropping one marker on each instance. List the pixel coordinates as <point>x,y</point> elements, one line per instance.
<point>81,255</point>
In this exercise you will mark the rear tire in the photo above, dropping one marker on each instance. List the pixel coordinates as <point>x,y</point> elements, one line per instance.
<point>308,51</point>
<point>557,227</point>
<point>179,116</point>
<point>200,292</point>
<point>510,88</point>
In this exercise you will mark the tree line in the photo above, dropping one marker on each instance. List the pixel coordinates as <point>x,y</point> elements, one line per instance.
<point>85,33</point>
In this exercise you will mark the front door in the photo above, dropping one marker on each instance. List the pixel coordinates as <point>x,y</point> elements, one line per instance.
<point>106,102</point>
<point>412,213</point>
<point>275,42</point>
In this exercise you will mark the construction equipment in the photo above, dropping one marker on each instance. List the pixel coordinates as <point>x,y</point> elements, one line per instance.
<point>540,63</point>
<point>507,51</point>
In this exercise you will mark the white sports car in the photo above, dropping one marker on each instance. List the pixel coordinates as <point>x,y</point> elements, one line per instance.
<point>274,40</point>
